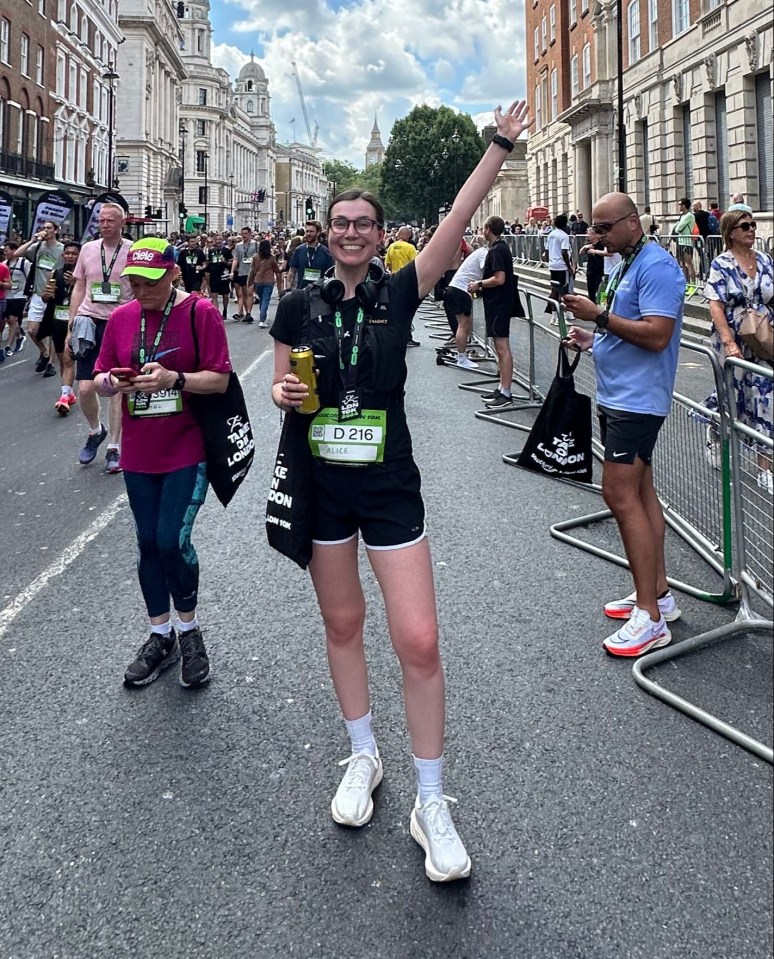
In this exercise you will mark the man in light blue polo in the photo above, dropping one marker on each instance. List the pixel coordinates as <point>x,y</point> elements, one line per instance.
<point>635,350</point>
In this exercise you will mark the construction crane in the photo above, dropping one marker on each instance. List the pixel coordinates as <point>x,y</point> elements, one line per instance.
<point>312,136</point>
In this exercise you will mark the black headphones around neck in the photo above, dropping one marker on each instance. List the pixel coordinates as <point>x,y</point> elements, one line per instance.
<point>366,293</point>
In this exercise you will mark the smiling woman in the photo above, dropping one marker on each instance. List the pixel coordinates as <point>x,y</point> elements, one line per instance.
<point>357,321</point>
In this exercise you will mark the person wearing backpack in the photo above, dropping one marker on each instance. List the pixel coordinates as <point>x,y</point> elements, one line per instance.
<point>44,251</point>
<point>15,299</point>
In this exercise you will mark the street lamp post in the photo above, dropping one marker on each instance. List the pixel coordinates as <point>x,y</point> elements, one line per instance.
<point>206,158</point>
<point>111,76</point>
<point>455,139</point>
<point>621,129</point>
<point>231,198</point>
<point>183,132</point>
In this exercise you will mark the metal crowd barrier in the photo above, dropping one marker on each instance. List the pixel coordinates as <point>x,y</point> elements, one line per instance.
<point>753,563</point>
<point>692,494</point>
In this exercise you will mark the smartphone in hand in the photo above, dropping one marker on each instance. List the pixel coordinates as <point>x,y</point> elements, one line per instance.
<point>124,373</point>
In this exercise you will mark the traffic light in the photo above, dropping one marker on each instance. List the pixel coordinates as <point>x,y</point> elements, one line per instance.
<point>148,212</point>
<point>309,208</point>
<point>182,212</point>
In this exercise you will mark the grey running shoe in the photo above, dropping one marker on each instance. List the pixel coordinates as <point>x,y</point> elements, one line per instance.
<point>352,805</point>
<point>500,399</point>
<point>112,464</point>
<point>91,446</point>
<point>433,829</point>
<point>195,667</point>
<point>155,654</point>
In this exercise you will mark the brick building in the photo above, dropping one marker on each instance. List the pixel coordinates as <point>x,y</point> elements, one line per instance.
<point>697,90</point>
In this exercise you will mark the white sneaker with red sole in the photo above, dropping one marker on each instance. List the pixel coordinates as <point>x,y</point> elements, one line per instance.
<point>623,608</point>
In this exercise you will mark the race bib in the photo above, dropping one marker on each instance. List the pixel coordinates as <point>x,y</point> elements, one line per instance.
<point>356,442</point>
<point>62,313</point>
<point>311,275</point>
<point>248,262</point>
<point>163,403</point>
<point>105,292</point>
<point>46,262</point>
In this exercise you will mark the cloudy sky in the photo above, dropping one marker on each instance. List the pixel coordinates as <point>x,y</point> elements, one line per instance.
<point>357,58</point>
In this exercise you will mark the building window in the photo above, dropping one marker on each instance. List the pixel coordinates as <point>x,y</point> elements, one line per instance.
<point>5,40</point>
<point>72,87</point>
<point>573,12</point>
<point>202,97</point>
<point>763,105</point>
<point>42,7</point>
<point>84,90</point>
<point>250,107</point>
<point>39,66</point>
<point>61,11</point>
<point>584,6</point>
<point>552,21</point>
<point>574,74</point>
<point>680,16</point>
<point>721,145</point>
<point>544,32</point>
<point>687,151</point>
<point>586,66</point>
<point>634,31</point>
<point>24,65</point>
<point>201,161</point>
<point>201,128</point>
<point>60,74</point>
<point>203,191</point>
<point>554,94</point>
<point>652,25</point>
<point>538,109</point>
<point>73,19</point>
<point>537,43</point>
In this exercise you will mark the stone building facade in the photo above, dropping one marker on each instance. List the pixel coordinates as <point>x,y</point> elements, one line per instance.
<point>697,90</point>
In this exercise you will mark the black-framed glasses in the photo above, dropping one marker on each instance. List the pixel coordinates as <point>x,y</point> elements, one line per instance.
<point>746,226</point>
<point>602,228</point>
<point>363,224</point>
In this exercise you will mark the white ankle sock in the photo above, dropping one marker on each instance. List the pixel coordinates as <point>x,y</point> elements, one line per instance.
<point>96,431</point>
<point>429,779</point>
<point>361,735</point>
<point>504,391</point>
<point>187,627</point>
<point>164,629</point>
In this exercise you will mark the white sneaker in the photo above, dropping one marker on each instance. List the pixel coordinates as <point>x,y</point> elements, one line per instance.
<point>623,608</point>
<point>263,326</point>
<point>352,805</point>
<point>765,481</point>
<point>466,363</point>
<point>638,636</point>
<point>433,829</point>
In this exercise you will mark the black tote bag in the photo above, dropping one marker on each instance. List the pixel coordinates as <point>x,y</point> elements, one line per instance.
<point>291,499</point>
<point>228,437</point>
<point>559,443</point>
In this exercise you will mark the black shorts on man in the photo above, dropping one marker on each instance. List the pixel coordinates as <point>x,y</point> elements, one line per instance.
<point>627,436</point>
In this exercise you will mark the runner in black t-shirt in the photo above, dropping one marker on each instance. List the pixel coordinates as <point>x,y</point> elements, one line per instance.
<point>365,481</point>
<point>191,262</point>
<point>496,288</point>
<point>218,269</point>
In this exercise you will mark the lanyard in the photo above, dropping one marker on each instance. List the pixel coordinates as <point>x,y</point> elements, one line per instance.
<point>157,340</point>
<point>616,280</point>
<point>107,270</point>
<point>310,259</point>
<point>348,372</point>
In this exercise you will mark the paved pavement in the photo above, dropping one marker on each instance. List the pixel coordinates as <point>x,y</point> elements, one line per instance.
<point>162,823</point>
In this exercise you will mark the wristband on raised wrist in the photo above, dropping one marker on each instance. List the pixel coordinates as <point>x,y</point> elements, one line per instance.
<point>503,142</point>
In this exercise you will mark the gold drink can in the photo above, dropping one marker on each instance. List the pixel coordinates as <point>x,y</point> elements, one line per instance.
<point>302,365</point>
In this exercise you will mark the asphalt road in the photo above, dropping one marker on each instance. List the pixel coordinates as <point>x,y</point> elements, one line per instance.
<point>162,823</point>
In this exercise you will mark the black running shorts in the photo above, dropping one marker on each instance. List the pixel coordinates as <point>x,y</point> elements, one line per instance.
<point>384,502</point>
<point>498,325</point>
<point>457,302</point>
<point>626,436</point>
<point>84,365</point>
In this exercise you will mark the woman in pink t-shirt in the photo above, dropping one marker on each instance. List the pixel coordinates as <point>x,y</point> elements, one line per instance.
<point>148,354</point>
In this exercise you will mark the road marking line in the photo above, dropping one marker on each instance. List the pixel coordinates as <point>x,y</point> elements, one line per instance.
<point>76,548</point>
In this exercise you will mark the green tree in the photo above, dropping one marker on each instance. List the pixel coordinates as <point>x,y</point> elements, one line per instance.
<point>369,179</point>
<point>432,152</point>
<point>340,174</point>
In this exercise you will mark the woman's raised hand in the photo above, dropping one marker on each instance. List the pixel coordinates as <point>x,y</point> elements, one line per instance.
<point>513,121</point>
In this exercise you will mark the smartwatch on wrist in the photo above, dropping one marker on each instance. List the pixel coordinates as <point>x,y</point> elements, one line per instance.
<point>503,142</point>
<point>179,382</point>
<point>602,319</point>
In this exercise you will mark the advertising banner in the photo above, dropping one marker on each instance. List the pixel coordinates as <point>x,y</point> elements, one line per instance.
<point>6,211</point>
<point>54,207</point>
<point>92,227</point>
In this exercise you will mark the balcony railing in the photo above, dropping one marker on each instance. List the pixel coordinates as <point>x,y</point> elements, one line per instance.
<point>18,165</point>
